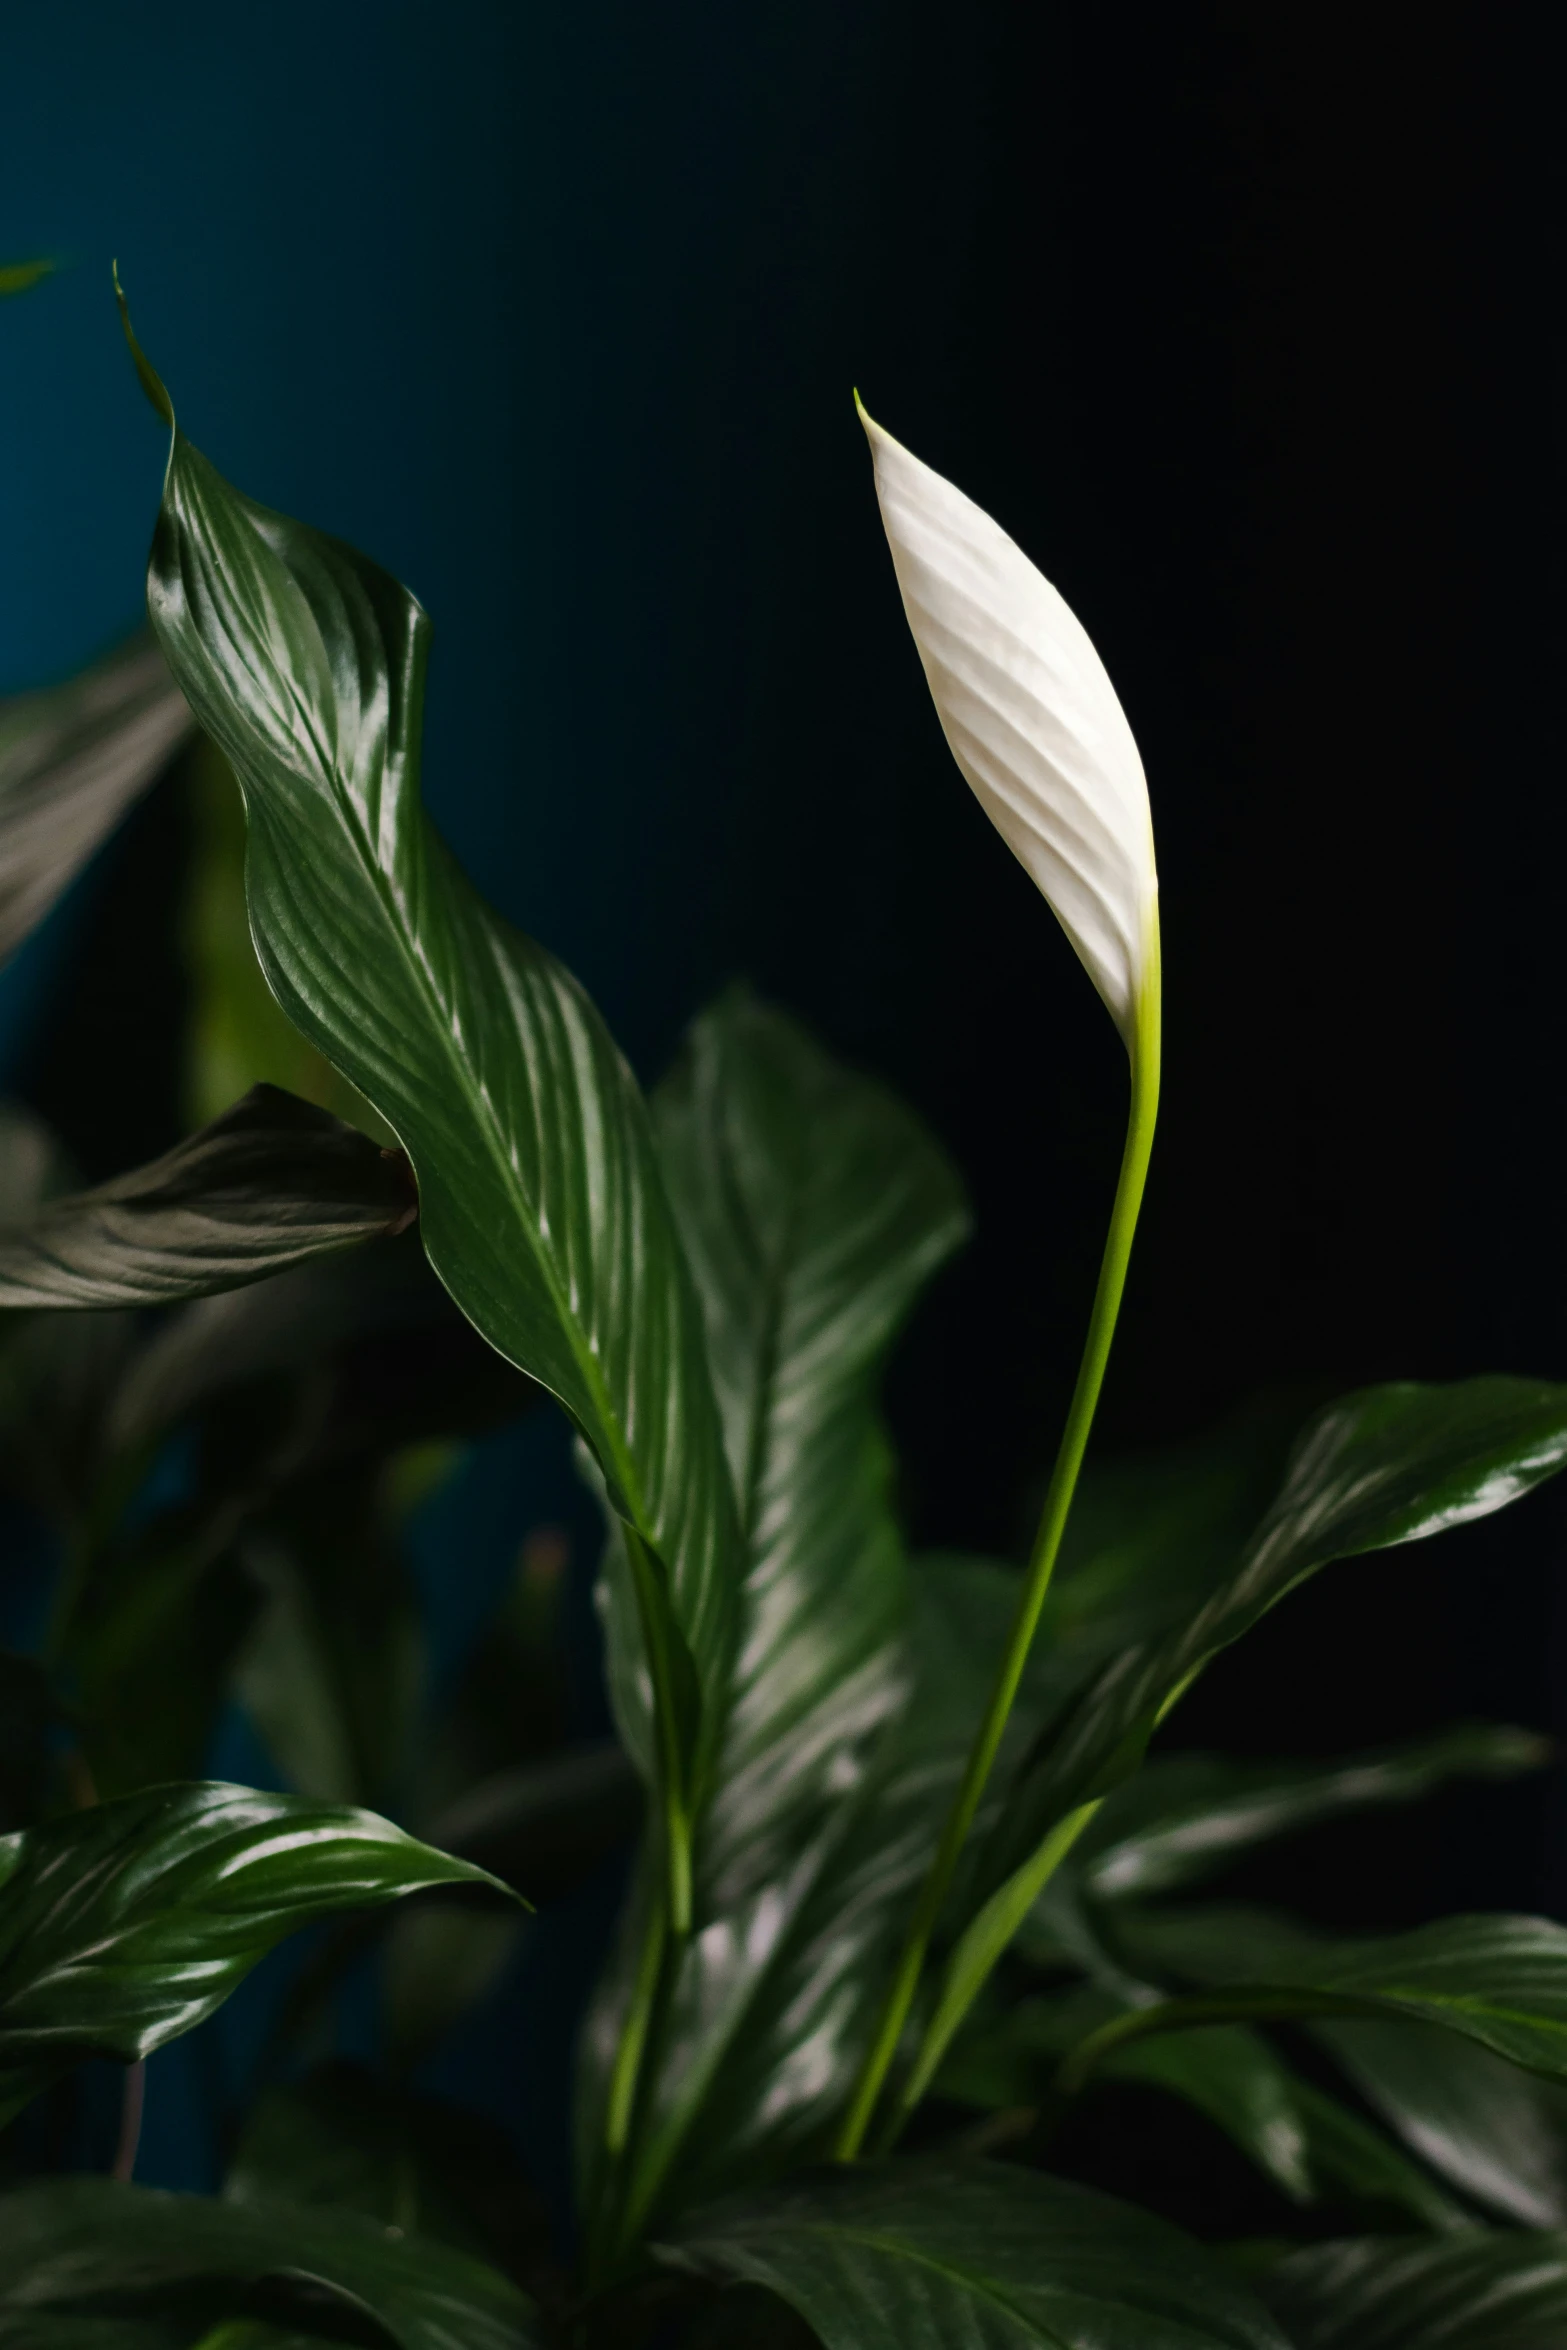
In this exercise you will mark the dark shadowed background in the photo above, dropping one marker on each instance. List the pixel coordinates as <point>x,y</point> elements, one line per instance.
<point>1248,330</point>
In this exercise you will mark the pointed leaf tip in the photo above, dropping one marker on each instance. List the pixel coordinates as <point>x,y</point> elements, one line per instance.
<point>152,382</point>
<point>1032,720</point>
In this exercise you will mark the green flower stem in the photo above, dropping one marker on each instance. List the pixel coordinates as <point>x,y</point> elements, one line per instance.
<point>634,2031</point>
<point>624,2079</point>
<point>1047,1543</point>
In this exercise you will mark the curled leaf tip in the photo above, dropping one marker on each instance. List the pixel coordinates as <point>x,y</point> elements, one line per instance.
<point>1033,722</point>
<point>151,381</point>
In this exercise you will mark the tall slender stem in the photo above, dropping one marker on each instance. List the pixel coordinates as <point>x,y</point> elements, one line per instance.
<point>1141,1117</point>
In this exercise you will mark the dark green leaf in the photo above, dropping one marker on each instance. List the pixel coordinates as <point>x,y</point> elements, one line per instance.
<point>88,2245</point>
<point>924,2258</point>
<point>1501,1981</point>
<point>1498,2133</point>
<point>343,2140</point>
<point>71,762</point>
<point>1471,2292</point>
<point>1153,1535</point>
<point>268,1185</point>
<point>1156,1540</point>
<point>817,1968</point>
<point>1185,1816</point>
<point>813,1208</point>
<point>1312,2147</point>
<point>123,1926</point>
<point>238,1036</point>
<point>541,1205</point>
<point>1389,1465</point>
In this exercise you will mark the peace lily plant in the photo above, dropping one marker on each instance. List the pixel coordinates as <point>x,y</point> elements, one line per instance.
<point>908,1888</point>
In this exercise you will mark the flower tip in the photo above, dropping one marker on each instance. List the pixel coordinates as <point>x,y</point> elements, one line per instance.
<point>875,433</point>
<point>1031,719</point>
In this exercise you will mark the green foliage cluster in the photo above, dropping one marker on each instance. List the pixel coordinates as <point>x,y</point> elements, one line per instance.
<point>708,1284</point>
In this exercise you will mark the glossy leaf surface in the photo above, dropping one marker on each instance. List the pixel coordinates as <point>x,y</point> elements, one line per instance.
<point>813,1208</point>
<point>1310,2145</point>
<point>1499,1980</point>
<point>1389,1465</point>
<point>986,2256</point>
<point>1471,2292</point>
<point>125,1925</point>
<point>540,1201</point>
<point>237,1034</point>
<point>1313,2147</point>
<point>1148,1542</point>
<point>1186,1816</point>
<point>821,1947</point>
<point>1496,2132</point>
<point>72,760</point>
<point>267,1186</point>
<point>88,2245</point>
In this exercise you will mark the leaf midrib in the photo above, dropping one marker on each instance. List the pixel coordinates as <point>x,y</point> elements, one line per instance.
<point>897,2248</point>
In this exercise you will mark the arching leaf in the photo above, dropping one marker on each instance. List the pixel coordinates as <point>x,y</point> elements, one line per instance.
<point>123,1926</point>
<point>1473,2292</point>
<point>269,1185</point>
<point>926,2257</point>
<point>1388,1465</point>
<point>540,1202</point>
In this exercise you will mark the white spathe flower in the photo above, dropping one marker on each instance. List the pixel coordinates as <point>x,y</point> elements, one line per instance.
<point>1033,723</point>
